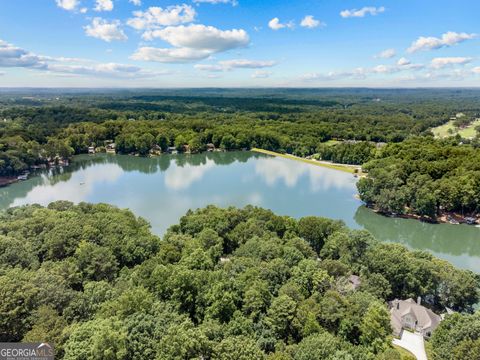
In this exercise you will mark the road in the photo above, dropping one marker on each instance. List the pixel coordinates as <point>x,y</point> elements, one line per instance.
<point>412,342</point>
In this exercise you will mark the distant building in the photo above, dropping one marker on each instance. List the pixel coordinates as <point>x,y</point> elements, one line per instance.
<point>110,148</point>
<point>210,147</point>
<point>155,150</point>
<point>172,150</point>
<point>411,315</point>
<point>91,150</point>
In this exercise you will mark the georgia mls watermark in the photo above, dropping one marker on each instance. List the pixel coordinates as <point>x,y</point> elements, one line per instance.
<point>26,351</point>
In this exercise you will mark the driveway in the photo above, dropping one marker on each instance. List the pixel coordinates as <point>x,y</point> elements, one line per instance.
<point>412,342</point>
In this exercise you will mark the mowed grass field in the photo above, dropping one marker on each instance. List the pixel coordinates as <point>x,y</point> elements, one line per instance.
<point>342,167</point>
<point>442,131</point>
<point>469,131</point>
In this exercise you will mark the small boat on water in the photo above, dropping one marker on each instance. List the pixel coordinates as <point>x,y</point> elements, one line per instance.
<point>22,177</point>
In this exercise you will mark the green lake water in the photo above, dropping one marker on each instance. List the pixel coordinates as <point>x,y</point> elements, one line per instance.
<point>163,188</point>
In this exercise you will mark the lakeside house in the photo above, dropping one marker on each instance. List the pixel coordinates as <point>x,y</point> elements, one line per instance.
<point>91,149</point>
<point>411,315</point>
<point>172,150</point>
<point>210,147</point>
<point>110,148</point>
<point>155,150</point>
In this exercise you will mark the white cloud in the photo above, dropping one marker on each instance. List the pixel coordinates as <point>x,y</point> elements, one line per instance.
<point>246,64</point>
<point>103,5</point>
<point>201,37</point>
<point>106,70</point>
<point>12,56</point>
<point>362,73</point>
<point>403,62</point>
<point>386,54</point>
<point>191,43</point>
<point>209,67</point>
<point>261,74</point>
<point>83,10</point>
<point>310,22</point>
<point>383,69</point>
<point>104,30</point>
<point>446,40</point>
<point>442,62</point>
<point>358,73</point>
<point>367,10</point>
<point>476,70</point>
<point>136,2</point>
<point>214,2</point>
<point>156,17</point>
<point>69,5</point>
<point>275,24</point>
<point>228,65</point>
<point>172,55</point>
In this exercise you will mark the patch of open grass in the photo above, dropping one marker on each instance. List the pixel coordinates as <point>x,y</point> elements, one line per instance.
<point>443,131</point>
<point>405,354</point>
<point>469,131</point>
<point>331,142</point>
<point>340,167</point>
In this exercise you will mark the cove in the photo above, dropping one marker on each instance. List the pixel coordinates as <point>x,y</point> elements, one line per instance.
<point>162,189</point>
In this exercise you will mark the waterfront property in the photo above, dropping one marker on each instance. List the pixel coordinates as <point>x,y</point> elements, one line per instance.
<point>411,315</point>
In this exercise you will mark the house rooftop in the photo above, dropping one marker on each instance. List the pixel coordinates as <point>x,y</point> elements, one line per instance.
<point>426,318</point>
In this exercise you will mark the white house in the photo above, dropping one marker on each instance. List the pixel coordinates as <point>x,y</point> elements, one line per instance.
<point>408,314</point>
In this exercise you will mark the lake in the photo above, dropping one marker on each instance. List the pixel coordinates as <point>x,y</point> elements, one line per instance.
<point>163,188</point>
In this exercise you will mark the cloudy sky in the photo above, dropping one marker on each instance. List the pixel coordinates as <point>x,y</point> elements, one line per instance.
<point>239,43</point>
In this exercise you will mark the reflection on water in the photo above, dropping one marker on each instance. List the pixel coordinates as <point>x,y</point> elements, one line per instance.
<point>277,169</point>
<point>459,244</point>
<point>182,177</point>
<point>71,186</point>
<point>162,189</point>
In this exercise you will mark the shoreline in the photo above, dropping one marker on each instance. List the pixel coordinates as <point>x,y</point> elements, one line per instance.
<point>8,180</point>
<point>326,164</point>
<point>444,218</point>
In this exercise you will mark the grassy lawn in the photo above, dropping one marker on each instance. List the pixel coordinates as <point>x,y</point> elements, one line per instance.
<point>442,131</point>
<point>405,354</point>
<point>340,167</point>
<point>331,142</point>
<point>469,131</point>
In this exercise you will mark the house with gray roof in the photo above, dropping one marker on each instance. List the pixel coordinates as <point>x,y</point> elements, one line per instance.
<point>411,315</point>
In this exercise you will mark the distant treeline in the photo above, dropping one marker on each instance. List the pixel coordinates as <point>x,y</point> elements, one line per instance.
<point>294,121</point>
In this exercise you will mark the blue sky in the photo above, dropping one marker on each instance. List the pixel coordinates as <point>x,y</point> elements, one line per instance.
<point>239,43</point>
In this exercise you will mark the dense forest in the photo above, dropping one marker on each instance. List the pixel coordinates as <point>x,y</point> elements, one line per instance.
<point>222,284</point>
<point>425,177</point>
<point>35,128</point>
